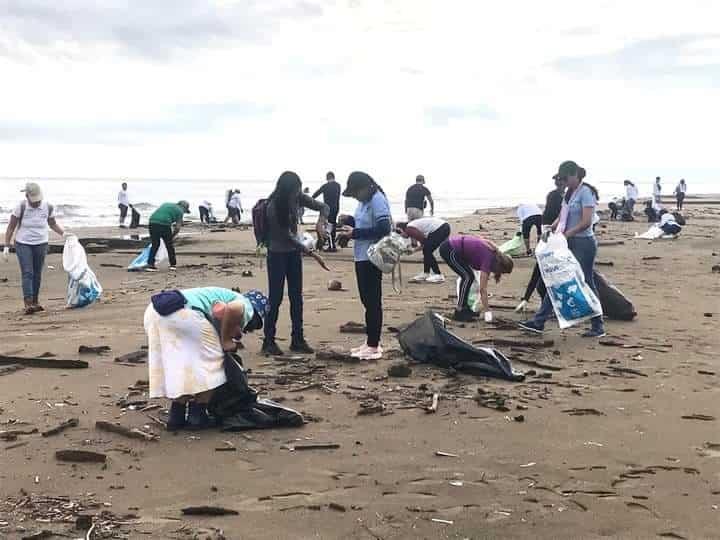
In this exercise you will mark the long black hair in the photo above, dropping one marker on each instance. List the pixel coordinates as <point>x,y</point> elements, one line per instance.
<point>285,196</point>
<point>363,179</point>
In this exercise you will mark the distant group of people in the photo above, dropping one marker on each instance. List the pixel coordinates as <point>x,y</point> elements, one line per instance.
<point>623,208</point>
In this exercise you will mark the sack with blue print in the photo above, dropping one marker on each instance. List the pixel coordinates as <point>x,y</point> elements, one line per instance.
<point>141,261</point>
<point>83,286</point>
<point>573,300</point>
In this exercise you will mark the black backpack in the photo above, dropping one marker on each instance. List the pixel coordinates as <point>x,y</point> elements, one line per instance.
<point>259,219</point>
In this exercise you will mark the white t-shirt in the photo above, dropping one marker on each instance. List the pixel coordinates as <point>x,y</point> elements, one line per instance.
<point>235,201</point>
<point>681,188</point>
<point>426,225</point>
<point>631,192</point>
<point>524,211</point>
<point>205,204</point>
<point>33,229</point>
<point>667,218</point>
<point>657,189</point>
<point>123,198</point>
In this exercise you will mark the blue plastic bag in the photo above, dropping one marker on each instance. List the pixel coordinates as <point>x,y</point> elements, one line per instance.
<point>83,286</point>
<point>141,261</point>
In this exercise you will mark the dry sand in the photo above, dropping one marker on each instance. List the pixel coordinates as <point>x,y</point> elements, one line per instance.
<point>636,469</point>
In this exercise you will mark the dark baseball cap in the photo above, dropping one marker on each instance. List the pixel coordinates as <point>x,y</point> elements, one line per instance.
<point>356,182</point>
<point>568,168</point>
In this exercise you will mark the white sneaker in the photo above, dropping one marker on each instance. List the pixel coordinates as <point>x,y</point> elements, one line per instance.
<point>370,353</point>
<point>436,278</point>
<point>419,278</point>
<point>356,350</point>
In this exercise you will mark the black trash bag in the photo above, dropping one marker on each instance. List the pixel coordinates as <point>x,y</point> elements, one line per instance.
<point>236,407</point>
<point>428,341</point>
<point>679,218</point>
<point>615,304</point>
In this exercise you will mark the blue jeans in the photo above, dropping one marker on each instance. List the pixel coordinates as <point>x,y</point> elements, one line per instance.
<point>585,249</point>
<point>32,260</point>
<point>281,266</point>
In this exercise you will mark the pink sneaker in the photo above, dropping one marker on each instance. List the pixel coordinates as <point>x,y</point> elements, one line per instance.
<point>370,353</point>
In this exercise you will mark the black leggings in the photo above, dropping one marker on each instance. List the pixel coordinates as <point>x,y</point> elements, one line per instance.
<point>536,283</point>
<point>432,242</point>
<point>165,233</point>
<point>369,280</point>
<point>204,215</point>
<point>530,222</point>
<point>462,269</point>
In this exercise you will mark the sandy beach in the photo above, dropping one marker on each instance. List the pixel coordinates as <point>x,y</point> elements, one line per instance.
<point>618,439</point>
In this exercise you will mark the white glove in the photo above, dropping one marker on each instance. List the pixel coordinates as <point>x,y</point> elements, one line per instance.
<point>6,254</point>
<point>488,316</point>
<point>522,306</point>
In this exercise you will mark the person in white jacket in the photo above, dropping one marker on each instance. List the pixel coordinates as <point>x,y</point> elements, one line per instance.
<point>123,203</point>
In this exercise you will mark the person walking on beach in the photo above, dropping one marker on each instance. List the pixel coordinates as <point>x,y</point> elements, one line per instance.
<point>416,199</point>
<point>185,351</point>
<point>373,221</point>
<point>680,191</point>
<point>235,209</point>
<point>657,195</point>
<point>331,196</point>
<point>429,232</point>
<point>123,203</point>
<point>165,224</point>
<point>465,255</point>
<point>575,222</point>
<point>530,216</point>
<point>284,258</point>
<point>30,223</point>
<point>631,197</point>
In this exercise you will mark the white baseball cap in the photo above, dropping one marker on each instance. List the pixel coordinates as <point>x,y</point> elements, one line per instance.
<point>33,192</point>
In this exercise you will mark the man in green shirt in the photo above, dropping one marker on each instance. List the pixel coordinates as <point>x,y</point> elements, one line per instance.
<point>164,224</point>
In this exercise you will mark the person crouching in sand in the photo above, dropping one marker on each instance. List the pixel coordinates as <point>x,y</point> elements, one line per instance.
<point>430,233</point>
<point>465,254</point>
<point>185,352</point>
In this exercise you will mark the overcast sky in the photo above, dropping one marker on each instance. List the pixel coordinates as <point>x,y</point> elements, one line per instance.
<point>464,91</point>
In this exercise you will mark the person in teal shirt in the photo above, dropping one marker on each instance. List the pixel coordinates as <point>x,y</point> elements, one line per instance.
<point>187,346</point>
<point>164,224</point>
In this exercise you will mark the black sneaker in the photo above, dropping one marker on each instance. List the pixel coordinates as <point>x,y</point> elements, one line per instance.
<point>270,348</point>
<point>301,346</point>
<point>464,315</point>
<point>197,416</point>
<point>149,268</point>
<point>176,417</point>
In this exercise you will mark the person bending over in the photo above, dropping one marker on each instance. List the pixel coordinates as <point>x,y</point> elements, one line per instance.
<point>185,352</point>
<point>429,232</point>
<point>165,224</point>
<point>331,196</point>
<point>465,255</point>
<point>372,222</point>
<point>530,216</point>
<point>415,199</point>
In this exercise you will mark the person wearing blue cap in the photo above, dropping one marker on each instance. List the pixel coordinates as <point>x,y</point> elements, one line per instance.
<point>185,351</point>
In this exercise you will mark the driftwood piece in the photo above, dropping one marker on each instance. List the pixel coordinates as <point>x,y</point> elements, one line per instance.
<point>352,328</point>
<point>336,356</point>
<point>533,343</point>
<point>137,357</point>
<point>87,349</point>
<point>72,422</point>
<point>42,362</point>
<point>434,404</point>
<point>80,456</point>
<point>208,511</point>
<point>535,363</point>
<point>315,446</point>
<point>125,431</point>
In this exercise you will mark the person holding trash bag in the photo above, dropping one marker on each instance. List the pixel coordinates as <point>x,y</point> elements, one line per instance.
<point>284,258</point>
<point>165,224</point>
<point>186,352</point>
<point>372,222</point>
<point>429,232</point>
<point>30,222</point>
<point>575,223</point>
<point>466,254</point>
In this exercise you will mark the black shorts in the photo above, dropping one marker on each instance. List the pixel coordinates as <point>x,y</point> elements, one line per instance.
<point>530,222</point>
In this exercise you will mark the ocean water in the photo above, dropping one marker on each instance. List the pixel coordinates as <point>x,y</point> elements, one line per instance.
<point>93,202</point>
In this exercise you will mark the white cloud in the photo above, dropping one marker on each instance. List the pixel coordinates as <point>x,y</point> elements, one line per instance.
<point>467,91</point>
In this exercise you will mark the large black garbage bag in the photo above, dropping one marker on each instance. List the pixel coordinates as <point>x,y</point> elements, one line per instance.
<point>236,407</point>
<point>615,304</point>
<point>427,340</point>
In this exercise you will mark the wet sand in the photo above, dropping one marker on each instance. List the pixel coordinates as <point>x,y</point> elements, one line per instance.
<point>618,441</point>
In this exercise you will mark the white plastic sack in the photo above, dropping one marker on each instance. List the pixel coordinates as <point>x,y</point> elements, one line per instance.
<point>654,233</point>
<point>573,300</point>
<point>83,286</point>
<point>386,253</point>
<point>141,261</point>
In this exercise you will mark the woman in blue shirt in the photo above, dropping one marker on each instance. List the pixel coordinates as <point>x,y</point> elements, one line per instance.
<point>372,222</point>
<point>575,222</point>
